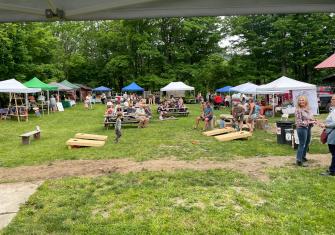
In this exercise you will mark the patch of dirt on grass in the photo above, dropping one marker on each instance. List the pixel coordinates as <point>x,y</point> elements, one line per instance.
<point>254,167</point>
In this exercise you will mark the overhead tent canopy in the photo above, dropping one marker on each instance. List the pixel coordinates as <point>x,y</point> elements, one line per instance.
<point>176,89</point>
<point>224,89</point>
<point>327,63</point>
<point>61,87</point>
<point>42,10</point>
<point>245,88</point>
<point>14,86</point>
<point>101,89</point>
<point>177,86</point>
<point>36,83</point>
<point>69,84</point>
<point>132,87</point>
<point>284,84</point>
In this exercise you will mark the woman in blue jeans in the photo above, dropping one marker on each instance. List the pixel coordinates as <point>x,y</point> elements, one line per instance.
<point>304,121</point>
<point>330,130</point>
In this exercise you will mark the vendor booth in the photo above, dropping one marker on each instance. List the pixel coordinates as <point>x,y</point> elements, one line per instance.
<point>20,107</point>
<point>36,83</point>
<point>100,90</point>
<point>285,85</point>
<point>177,89</point>
<point>72,93</point>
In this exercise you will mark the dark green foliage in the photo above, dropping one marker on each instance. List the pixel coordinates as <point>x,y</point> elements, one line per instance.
<point>154,52</point>
<point>276,45</point>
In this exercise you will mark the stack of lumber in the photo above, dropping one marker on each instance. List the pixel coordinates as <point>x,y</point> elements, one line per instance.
<point>86,140</point>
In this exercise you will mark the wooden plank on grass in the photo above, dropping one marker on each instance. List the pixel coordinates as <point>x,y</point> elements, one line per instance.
<point>84,143</point>
<point>219,131</point>
<point>91,137</point>
<point>233,136</point>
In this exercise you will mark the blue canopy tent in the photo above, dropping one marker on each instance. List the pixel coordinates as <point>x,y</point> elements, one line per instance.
<point>101,89</point>
<point>224,89</point>
<point>133,87</point>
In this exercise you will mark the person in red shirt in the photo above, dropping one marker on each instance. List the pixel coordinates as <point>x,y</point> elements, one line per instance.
<point>217,101</point>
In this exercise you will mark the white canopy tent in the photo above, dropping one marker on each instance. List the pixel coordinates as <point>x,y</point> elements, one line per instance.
<point>285,84</point>
<point>245,88</point>
<point>177,89</point>
<point>13,86</point>
<point>50,10</point>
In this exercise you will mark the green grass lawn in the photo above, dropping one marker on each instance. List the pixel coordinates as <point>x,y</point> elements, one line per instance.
<point>161,139</point>
<point>296,201</point>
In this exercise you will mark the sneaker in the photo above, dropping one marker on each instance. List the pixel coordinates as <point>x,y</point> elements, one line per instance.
<point>327,173</point>
<point>304,160</point>
<point>302,164</point>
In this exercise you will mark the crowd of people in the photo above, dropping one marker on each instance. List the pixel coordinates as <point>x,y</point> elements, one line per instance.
<point>215,98</point>
<point>170,104</point>
<point>138,110</point>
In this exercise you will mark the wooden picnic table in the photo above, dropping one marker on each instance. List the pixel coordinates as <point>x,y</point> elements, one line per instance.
<point>177,111</point>
<point>126,119</point>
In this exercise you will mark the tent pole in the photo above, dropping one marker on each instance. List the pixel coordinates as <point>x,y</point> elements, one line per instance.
<point>273,104</point>
<point>231,100</point>
<point>48,94</point>
<point>42,105</point>
<point>26,98</point>
<point>16,110</point>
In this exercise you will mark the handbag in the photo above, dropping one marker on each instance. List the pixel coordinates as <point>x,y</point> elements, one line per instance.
<point>324,136</point>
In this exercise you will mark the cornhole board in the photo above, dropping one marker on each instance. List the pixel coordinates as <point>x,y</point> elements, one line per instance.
<point>219,131</point>
<point>91,137</point>
<point>233,136</point>
<point>76,143</point>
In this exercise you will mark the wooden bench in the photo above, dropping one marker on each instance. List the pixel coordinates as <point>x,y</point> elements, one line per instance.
<point>26,136</point>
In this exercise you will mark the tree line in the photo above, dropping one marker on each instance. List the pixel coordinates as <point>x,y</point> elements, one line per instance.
<point>154,52</point>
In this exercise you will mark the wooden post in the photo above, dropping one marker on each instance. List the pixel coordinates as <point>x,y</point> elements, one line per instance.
<point>42,104</point>
<point>48,102</point>
<point>16,110</point>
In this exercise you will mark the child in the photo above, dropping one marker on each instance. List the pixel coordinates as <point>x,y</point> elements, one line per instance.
<point>222,122</point>
<point>37,111</point>
<point>109,111</point>
<point>118,127</point>
<point>87,102</point>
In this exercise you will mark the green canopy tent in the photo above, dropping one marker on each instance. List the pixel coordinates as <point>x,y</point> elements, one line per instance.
<point>71,85</point>
<point>37,83</point>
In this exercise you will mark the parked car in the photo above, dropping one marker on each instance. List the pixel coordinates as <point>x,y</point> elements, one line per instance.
<point>325,94</point>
